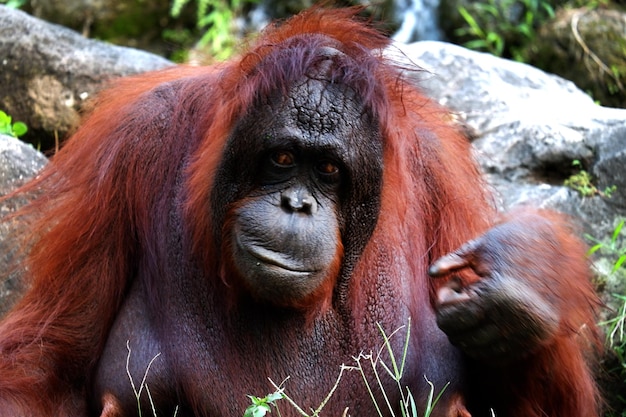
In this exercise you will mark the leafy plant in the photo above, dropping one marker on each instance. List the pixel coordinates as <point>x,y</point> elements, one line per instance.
<point>484,39</point>
<point>395,369</point>
<point>408,407</point>
<point>314,412</point>
<point>501,27</point>
<point>614,247</point>
<point>615,335</point>
<point>614,327</point>
<point>583,183</point>
<point>183,38</point>
<point>261,406</point>
<point>14,4</point>
<point>16,129</point>
<point>215,18</point>
<point>616,341</point>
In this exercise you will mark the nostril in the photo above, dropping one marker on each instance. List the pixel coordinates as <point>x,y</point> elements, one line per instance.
<point>309,204</point>
<point>298,199</point>
<point>290,200</point>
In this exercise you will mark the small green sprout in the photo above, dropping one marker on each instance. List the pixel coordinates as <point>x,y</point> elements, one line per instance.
<point>261,406</point>
<point>16,129</point>
<point>582,182</point>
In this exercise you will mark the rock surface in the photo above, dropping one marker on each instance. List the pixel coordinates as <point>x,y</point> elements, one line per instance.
<point>587,46</point>
<point>529,126</point>
<point>19,162</point>
<point>47,72</point>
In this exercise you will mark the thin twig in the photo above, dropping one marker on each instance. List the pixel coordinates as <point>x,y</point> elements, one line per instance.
<point>603,67</point>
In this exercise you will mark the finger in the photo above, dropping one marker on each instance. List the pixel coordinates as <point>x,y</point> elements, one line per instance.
<point>454,261</point>
<point>446,264</point>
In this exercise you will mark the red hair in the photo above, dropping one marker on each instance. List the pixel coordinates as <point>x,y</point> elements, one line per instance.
<point>100,203</point>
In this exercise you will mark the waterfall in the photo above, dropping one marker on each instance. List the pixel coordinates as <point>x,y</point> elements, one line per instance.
<point>419,20</point>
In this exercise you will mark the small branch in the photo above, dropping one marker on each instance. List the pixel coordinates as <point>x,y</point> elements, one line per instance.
<point>603,67</point>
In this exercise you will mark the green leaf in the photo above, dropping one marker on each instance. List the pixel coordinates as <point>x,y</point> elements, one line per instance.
<point>203,6</point>
<point>494,43</point>
<point>594,249</point>
<point>492,10</point>
<point>256,400</point>
<point>278,395</point>
<point>619,263</point>
<point>475,28</point>
<point>476,44</point>
<point>177,6</point>
<point>591,238</point>
<point>257,410</point>
<point>19,129</point>
<point>15,4</point>
<point>412,405</point>
<point>5,119</point>
<point>616,231</point>
<point>526,30</point>
<point>499,46</point>
<point>548,9</point>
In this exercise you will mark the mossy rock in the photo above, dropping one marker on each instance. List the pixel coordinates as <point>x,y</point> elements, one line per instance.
<point>587,47</point>
<point>135,23</point>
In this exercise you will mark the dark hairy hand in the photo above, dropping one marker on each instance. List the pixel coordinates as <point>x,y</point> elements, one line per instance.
<point>506,314</point>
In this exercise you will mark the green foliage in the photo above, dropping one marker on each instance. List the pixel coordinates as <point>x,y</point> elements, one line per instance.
<point>215,18</point>
<point>616,87</point>
<point>495,26</point>
<point>483,39</point>
<point>615,247</point>
<point>183,38</point>
<point>616,341</point>
<point>394,367</point>
<point>16,129</point>
<point>261,406</point>
<point>614,327</point>
<point>615,334</point>
<point>408,407</point>
<point>13,4</point>
<point>583,183</point>
<point>589,4</point>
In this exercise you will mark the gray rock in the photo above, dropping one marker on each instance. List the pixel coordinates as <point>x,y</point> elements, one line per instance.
<point>585,45</point>
<point>47,72</point>
<point>529,127</point>
<point>19,162</point>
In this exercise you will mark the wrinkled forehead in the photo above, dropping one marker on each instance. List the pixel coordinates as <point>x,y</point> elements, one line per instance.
<point>315,112</point>
<point>318,105</point>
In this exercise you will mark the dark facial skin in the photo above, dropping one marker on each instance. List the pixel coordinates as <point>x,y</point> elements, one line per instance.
<point>285,239</point>
<point>285,233</point>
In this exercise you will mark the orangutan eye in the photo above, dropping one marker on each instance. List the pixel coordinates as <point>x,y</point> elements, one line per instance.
<point>327,168</point>
<point>283,159</point>
<point>328,171</point>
